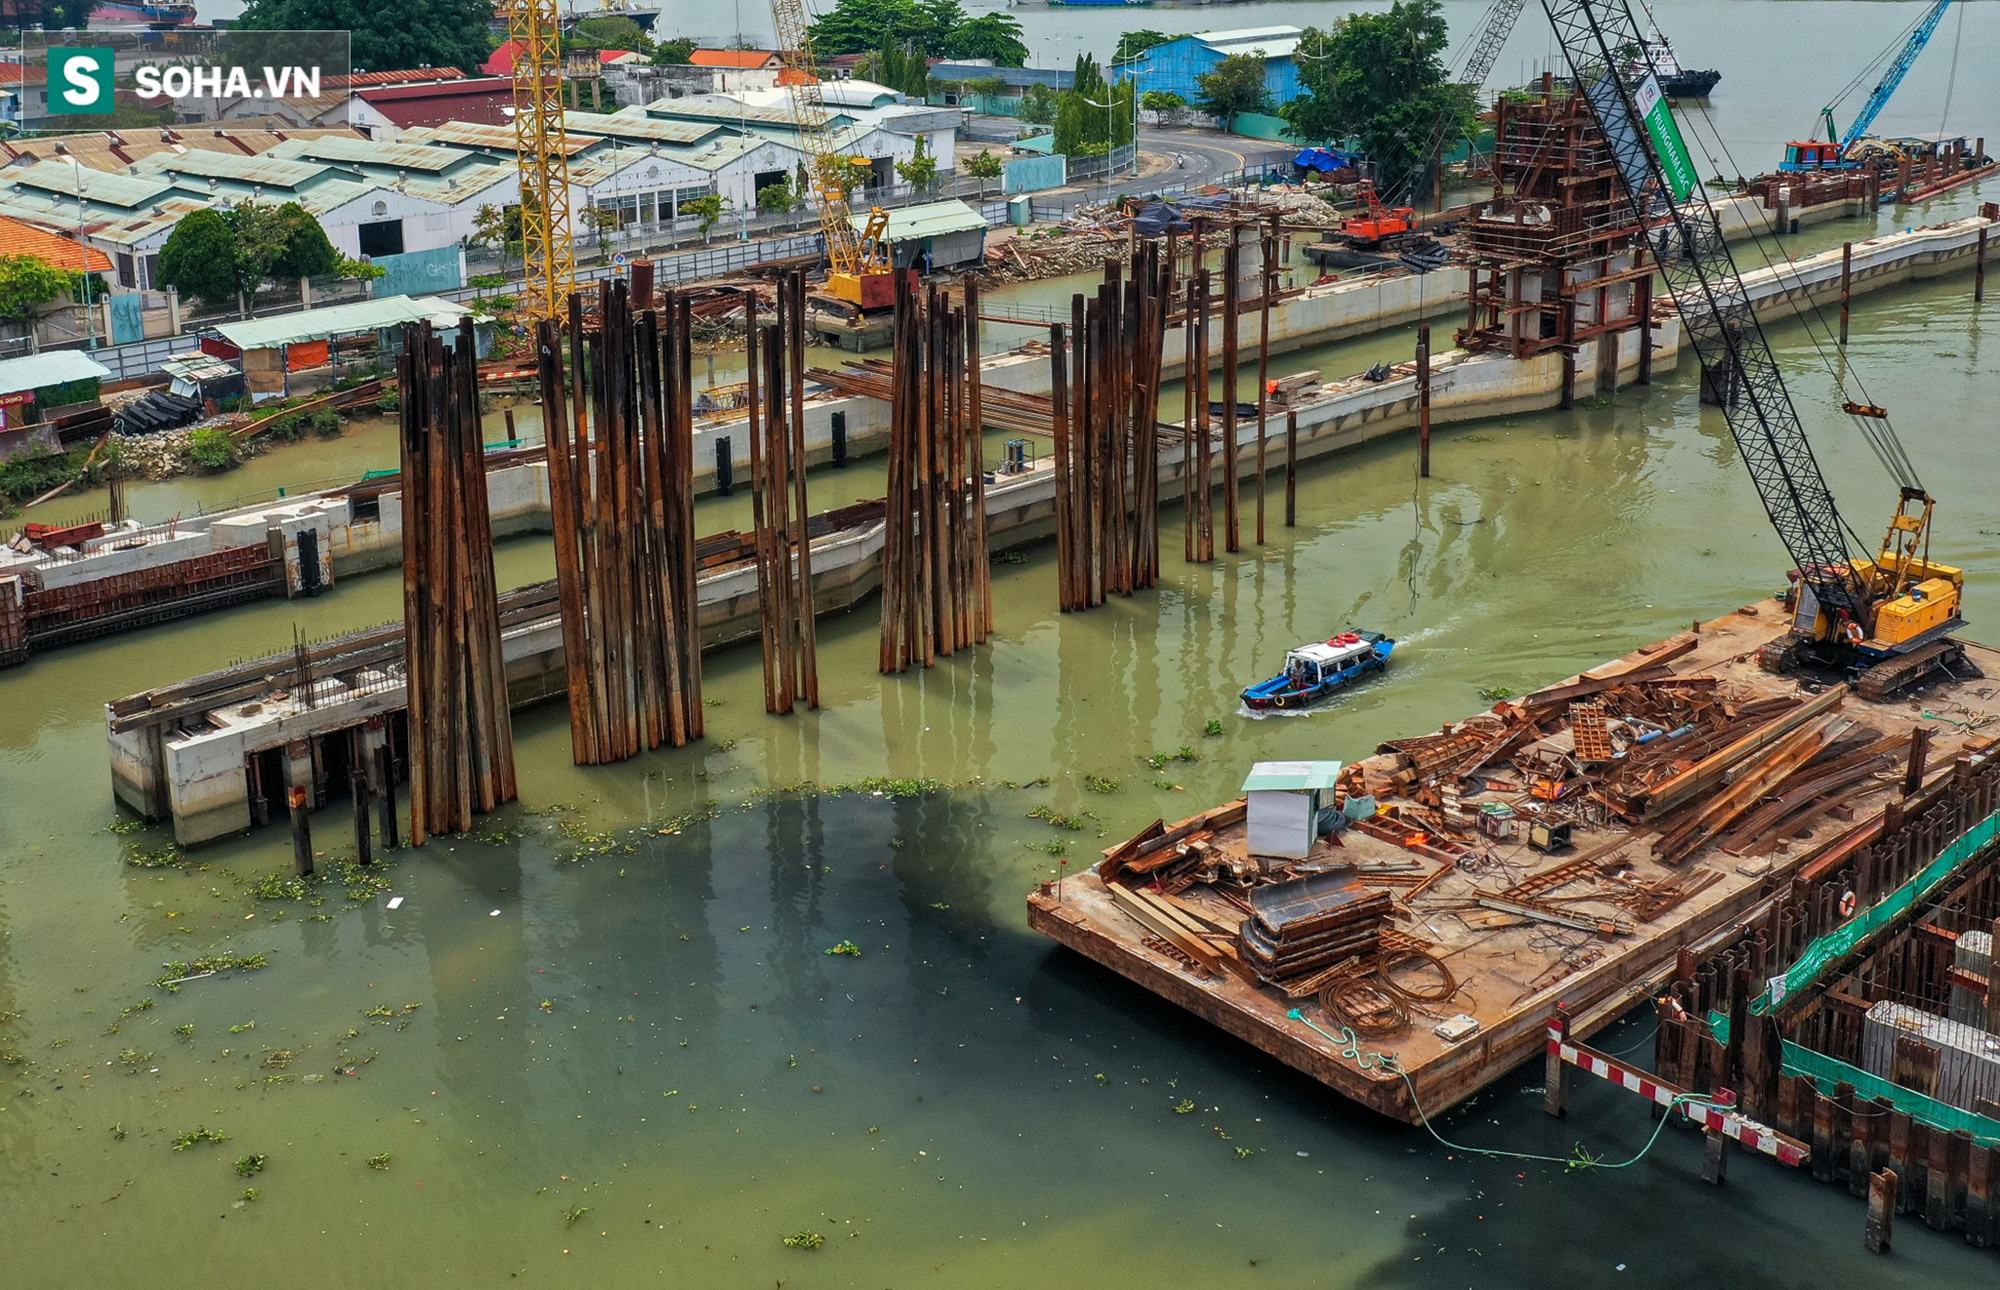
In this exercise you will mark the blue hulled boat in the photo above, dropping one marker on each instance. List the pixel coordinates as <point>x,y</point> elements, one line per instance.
<point>1312,672</point>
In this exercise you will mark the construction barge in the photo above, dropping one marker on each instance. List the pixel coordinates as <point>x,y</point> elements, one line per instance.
<point>1576,848</point>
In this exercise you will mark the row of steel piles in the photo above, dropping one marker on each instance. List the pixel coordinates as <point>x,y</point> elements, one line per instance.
<point>1106,384</point>
<point>937,585</point>
<point>461,738</point>
<point>777,401</point>
<point>620,427</point>
<point>1199,409</point>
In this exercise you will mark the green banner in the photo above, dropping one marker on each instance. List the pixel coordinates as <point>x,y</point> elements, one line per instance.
<point>1667,142</point>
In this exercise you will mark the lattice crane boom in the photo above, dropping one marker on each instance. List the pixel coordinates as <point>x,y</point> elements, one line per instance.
<point>829,192</point>
<point>1736,358</point>
<point>542,156</point>
<point>1920,35</point>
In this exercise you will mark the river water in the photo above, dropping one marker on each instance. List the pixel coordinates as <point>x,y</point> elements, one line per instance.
<point>616,998</point>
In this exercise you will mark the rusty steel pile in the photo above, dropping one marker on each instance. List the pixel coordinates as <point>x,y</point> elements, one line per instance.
<point>620,427</point>
<point>1106,382</point>
<point>777,464</point>
<point>937,571</point>
<point>461,736</point>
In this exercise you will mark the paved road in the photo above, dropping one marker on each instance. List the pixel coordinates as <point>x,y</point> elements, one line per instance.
<point>1208,154</point>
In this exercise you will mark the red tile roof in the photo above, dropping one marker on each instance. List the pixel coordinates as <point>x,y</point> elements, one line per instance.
<point>733,58</point>
<point>20,238</point>
<point>502,61</point>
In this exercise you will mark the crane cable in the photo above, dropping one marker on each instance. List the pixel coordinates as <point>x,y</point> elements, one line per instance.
<point>1889,51</point>
<point>1951,81</point>
<point>1878,432</point>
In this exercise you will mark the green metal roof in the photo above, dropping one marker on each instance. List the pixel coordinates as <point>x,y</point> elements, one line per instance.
<point>1045,143</point>
<point>50,367</point>
<point>1292,776</point>
<point>339,320</point>
<point>933,219</point>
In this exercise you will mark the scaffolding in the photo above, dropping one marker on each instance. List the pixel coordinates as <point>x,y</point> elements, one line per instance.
<point>1555,258</point>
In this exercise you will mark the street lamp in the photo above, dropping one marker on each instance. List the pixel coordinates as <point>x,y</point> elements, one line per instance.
<point>83,247</point>
<point>1111,134</point>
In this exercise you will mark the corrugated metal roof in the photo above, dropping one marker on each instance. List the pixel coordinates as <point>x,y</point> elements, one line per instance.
<point>1276,42</point>
<point>99,187</point>
<point>50,367</point>
<point>491,138</point>
<point>338,320</point>
<point>370,152</point>
<point>1291,776</point>
<point>617,125</point>
<point>934,219</point>
<point>270,170</point>
<point>710,107</point>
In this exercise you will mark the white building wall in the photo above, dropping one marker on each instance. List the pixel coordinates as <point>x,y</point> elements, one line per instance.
<point>426,223</point>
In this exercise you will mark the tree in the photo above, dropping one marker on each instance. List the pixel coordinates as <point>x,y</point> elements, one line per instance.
<point>777,199</point>
<point>1382,81</point>
<point>920,171</point>
<point>28,282</point>
<point>673,53</point>
<point>612,31</point>
<point>902,68</point>
<point>199,258</point>
<point>993,36</point>
<point>1085,127</point>
<point>1236,85</point>
<point>1134,43</point>
<point>305,252</point>
<point>1161,101</point>
<point>409,33</point>
<point>983,167</point>
<point>217,254</point>
<point>862,26</point>
<point>599,220</point>
<point>1038,105</point>
<point>707,208</point>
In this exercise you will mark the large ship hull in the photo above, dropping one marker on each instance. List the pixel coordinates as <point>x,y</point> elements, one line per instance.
<point>152,15</point>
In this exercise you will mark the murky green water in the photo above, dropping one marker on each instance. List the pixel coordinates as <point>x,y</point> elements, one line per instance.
<point>626,1004</point>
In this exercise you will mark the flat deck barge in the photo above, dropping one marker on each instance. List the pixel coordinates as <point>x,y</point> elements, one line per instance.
<point>1692,786</point>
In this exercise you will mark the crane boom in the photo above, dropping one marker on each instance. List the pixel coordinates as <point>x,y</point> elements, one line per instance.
<point>1493,32</point>
<point>542,156</point>
<point>1736,360</point>
<point>1920,35</point>
<point>829,193</point>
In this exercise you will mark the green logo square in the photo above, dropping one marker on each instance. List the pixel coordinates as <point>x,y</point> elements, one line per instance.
<point>80,82</point>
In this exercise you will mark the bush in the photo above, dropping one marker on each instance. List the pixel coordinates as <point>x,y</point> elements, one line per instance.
<point>213,449</point>
<point>391,400</point>
<point>26,478</point>
<point>486,281</point>
<point>326,423</point>
<point>285,429</point>
<point>501,304</point>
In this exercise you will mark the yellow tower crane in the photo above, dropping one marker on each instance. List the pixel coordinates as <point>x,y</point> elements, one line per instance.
<point>542,153</point>
<point>859,271</point>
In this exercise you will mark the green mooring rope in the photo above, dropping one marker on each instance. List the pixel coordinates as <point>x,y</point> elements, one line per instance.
<point>1580,1158</point>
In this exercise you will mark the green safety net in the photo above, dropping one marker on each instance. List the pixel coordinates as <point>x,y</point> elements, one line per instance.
<point>1837,944</point>
<point>1842,941</point>
<point>1829,1072</point>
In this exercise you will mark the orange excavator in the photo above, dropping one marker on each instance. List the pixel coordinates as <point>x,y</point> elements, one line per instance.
<point>1382,227</point>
